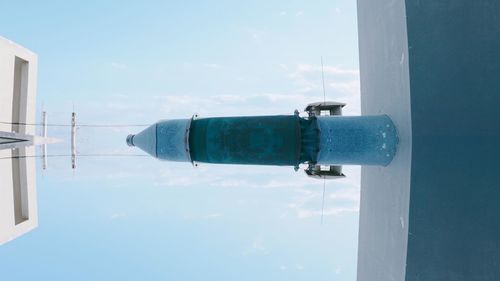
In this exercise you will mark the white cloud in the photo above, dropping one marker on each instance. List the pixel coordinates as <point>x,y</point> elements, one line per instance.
<point>350,88</point>
<point>212,65</point>
<point>233,104</point>
<point>299,13</point>
<point>303,68</point>
<point>305,201</point>
<point>255,34</point>
<point>341,196</point>
<point>117,216</point>
<point>283,67</point>
<point>213,175</point>
<point>341,84</point>
<point>256,248</point>
<point>196,216</point>
<point>303,213</point>
<point>283,13</point>
<point>350,194</point>
<point>118,175</point>
<point>213,216</point>
<point>118,65</point>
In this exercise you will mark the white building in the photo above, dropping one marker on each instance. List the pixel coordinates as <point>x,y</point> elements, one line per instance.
<point>18,82</point>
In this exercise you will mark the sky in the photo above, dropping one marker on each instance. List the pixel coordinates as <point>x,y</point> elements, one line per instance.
<point>137,218</point>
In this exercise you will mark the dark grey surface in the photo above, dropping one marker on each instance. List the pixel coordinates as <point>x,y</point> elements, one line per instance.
<point>455,99</point>
<point>452,141</point>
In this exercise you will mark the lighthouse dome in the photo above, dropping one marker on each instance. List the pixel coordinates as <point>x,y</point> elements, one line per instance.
<point>166,140</point>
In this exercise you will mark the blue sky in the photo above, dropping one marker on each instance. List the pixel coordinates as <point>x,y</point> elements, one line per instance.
<point>136,218</point>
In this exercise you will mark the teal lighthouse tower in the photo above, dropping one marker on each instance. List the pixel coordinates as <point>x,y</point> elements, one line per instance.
<point>322,138</point>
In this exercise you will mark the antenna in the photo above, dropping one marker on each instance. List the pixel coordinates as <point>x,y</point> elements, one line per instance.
<point>44,134</point>
<point>323,204</point>
<point>323,79</point>
<point>73,140</point>
<point>324,178</point>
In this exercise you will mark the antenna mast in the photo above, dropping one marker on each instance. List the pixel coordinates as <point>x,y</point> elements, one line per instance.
<point>73,140</point>
<point>44,134</point>
<point>323,79</point>
<point>324,101</point>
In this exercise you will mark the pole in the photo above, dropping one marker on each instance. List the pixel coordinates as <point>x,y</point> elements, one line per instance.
<point>73,140</point>
<point>44,134</point>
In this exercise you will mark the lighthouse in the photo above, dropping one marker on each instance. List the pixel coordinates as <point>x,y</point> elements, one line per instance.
<point>322,138</point>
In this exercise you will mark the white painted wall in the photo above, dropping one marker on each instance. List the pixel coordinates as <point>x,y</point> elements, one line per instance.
<point>26,167</point>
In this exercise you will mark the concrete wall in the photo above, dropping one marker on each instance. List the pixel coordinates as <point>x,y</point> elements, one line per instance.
<point>385,89</point>
<point>18,77</point>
